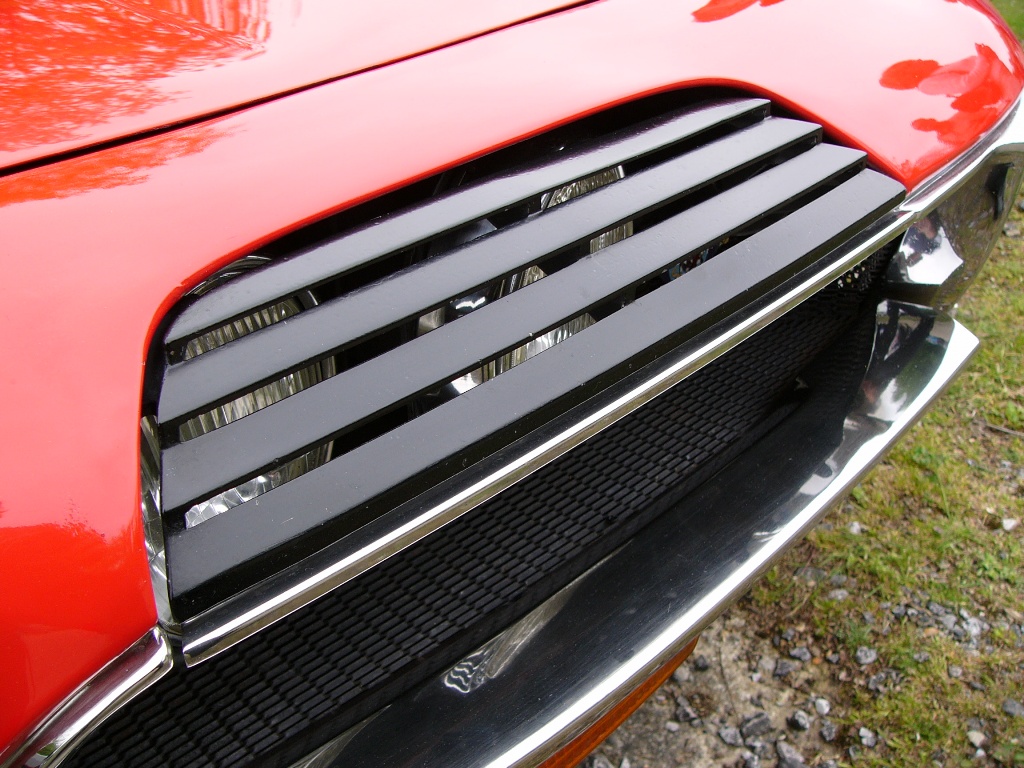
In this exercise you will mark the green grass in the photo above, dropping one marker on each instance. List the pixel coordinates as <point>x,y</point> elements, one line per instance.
<point>1013,12</point>
<point>931,515</point>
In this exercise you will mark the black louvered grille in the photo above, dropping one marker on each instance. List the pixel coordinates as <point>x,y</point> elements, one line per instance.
<point>285,691</point>
<point>723,203</point>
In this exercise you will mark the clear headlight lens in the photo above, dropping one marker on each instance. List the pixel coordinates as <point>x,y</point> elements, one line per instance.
<point>251,401</point>
<point>530,275</point>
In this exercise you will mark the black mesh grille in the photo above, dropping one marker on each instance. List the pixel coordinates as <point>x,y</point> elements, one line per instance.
<point>280,694</point>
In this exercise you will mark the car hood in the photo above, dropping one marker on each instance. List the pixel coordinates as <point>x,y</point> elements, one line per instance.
<point>82,74</point>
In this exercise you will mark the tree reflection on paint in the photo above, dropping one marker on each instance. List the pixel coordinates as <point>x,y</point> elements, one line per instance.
<point>981,88</point>
<point>716,10</point>
<point>107,170</point>
<point>67,65</point>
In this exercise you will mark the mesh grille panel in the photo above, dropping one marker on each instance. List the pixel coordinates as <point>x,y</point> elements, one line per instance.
<point>283,692</point>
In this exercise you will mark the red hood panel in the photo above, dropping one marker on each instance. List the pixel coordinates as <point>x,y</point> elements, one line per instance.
<point>81,73</point>
<point>95,248</point>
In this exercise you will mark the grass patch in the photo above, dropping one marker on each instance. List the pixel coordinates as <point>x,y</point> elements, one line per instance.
<point>1013,12</point>
<point>931,529</point>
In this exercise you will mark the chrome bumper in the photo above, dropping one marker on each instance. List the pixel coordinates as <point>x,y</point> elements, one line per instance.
<point>544,681</point>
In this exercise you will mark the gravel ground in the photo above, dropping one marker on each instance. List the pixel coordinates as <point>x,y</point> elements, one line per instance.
<point>738,701</point>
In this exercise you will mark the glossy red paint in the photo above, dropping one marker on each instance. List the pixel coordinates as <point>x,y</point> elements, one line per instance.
<point>81,73</point>
<point>98,247</point>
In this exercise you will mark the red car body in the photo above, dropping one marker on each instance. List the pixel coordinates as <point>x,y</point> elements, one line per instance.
<point>147,144</point>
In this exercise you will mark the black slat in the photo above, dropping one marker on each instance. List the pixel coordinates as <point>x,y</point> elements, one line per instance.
<point>403,230</point>
<point>195,470</point>
<point>193,386</point>
<point>335,497</point>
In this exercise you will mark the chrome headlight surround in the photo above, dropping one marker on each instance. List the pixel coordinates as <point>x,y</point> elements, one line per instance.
<point>958,216</point>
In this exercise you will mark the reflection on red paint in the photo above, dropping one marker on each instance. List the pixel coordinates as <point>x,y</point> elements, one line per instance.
<point>100,60</point>
<point>981,86</point>
<point>35,637</point>
<point>716,10</point>
<point>96,171</point>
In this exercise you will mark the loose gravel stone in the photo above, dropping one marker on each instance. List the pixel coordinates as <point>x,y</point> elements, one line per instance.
<point>876,683</point>
<point>701,663</point>
<point>789,634</point>
<point>685,713</point>
<point>731,736</point>
<point>799,721</point>
<point>832,658</point>
<point>1009,523</point>
<point>976,686</point>
<point>855,528</point>
<point>829,731</point>
<point>672,726</point>
<point>810,574</point>
<point>948,620</point>
<point>838,595</point>
<point>829,764</point>
<point>784,668</point>
<point>922,657</point>
<point>867,737</point>
<point>756,724</point>
<point>750,760</point>
<point>954,671</point>
<point>801,653</point>
<point>838,579</point>
<point>682,674</point>
<point>600,761</point>
<point>865,655</point>
<point>1013,708</point>
<point>789,756</point>
<point>977,739</point>
<point>936,608</point>
<point>822,706</point>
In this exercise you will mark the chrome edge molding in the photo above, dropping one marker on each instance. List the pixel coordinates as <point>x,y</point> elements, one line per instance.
<point>121,680</point>
<point>227,624</point>
<point>638,608</point>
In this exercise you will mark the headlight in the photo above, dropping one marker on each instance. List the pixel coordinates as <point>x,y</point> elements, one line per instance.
<point>532,274</point>
<point>253,401</point>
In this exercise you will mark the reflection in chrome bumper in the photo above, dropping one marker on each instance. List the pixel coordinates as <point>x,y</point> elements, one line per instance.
<point>574,657</point>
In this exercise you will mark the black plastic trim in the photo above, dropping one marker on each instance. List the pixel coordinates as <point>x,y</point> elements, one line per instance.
<point>197,469</point>
<point>305,514</point>
<point>195,385</point>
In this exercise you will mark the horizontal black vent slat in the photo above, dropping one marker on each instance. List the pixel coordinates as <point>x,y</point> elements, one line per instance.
<point>334,497</point>
<point>196,385</point>
<point>406,229</point>
<point>197,469</point>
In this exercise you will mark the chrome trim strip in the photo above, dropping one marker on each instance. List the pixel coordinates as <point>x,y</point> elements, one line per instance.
<point>117,683</point>
<point>224,625</point>
<point>638,608</point>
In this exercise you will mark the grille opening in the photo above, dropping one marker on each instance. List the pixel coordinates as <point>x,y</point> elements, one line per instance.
<point>387,339</point>
<point>403,304</point>
<point>427,400</point>
<point>362,432</point>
